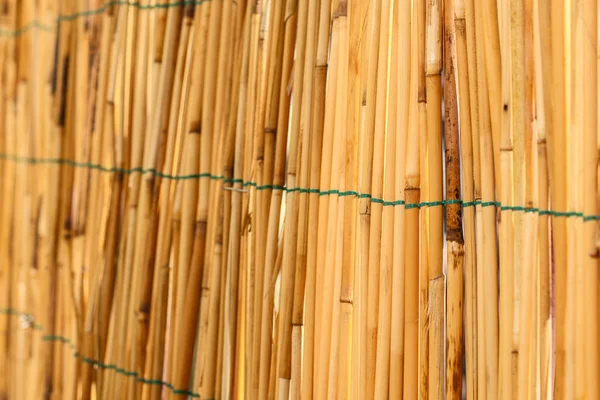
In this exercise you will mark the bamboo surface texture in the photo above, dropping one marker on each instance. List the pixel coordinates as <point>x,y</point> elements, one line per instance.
<point>299,199</point>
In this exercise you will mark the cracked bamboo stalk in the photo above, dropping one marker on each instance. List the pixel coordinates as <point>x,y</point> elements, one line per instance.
<point>423,274</point>
<point>434,216</point>
<point>454,227</point>
<point>288,266</point>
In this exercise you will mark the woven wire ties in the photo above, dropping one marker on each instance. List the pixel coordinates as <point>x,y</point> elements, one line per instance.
<point>339,193</point>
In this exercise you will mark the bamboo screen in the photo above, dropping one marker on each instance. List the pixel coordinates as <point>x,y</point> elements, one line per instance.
<point>305,199</point>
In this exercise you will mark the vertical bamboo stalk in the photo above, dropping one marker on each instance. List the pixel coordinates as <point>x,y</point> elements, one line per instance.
<point>434,215</point>
<point>589,19</point>
<point>404,26</point>
<point>576,255</point>
<point>528,335</point>
<point>467,193</point>
<point>545,102</point>
<point>348,341</point>
<point>454,228</point>
<point>337,204</point>
<point>512,106</point>
<point>411,234</point>
<point>557,140</point>
<point>368,85</point>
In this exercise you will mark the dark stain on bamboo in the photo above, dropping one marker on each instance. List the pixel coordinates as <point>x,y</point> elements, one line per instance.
<point>452,153</point>
<point>62,110</point>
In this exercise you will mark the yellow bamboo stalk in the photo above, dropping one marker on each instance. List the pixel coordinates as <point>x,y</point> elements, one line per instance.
<point>411,234</point>
<point>403,25</point>
<point>589,19</point>
<point>433,69</point>
<point>454,229</point>
<point>557,136</point>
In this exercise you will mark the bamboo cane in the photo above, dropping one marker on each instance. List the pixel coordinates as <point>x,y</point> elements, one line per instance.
<point>454,229</point>
<point>47,211</point>
<point>336,213</point>
<point>412,193</point>
<point>489,284</point>
<point>8,171</point>
<point>557,144</point>
<point>404,28</point>
<point>433,68</point>
<point>528,336</point>
<point>544,76</point>
<point>574,119</point>
<point>467,192</point>
<point>347,378</point>
<point>511,135</point>
<point>368,82</point>
<point>589,20</point>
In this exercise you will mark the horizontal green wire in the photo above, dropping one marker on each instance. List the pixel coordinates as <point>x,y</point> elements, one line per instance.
<point>96,363</point>
<point>408,206</point>
<point>36,24</point>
